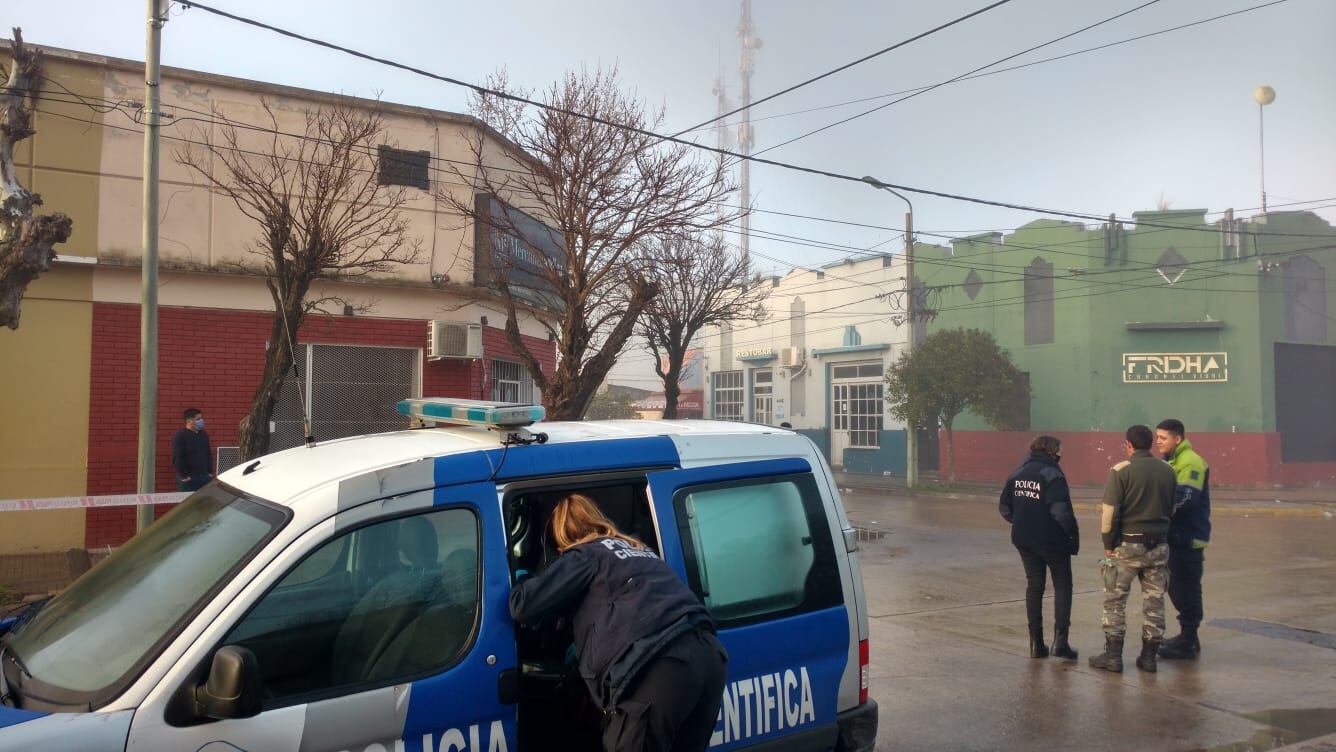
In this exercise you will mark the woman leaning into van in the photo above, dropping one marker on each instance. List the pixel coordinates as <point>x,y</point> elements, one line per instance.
<point>1038,504</point>
<point>646,645</point>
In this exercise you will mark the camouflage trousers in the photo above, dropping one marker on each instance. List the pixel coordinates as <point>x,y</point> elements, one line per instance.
<point>1132,561</point>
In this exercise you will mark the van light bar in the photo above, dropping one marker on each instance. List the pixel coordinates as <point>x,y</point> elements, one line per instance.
<point>471,412</point>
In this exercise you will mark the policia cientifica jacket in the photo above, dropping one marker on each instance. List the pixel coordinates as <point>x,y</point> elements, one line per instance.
<point>626,605</point>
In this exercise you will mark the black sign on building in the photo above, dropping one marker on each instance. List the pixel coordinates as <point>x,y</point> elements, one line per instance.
<point>512,246</point>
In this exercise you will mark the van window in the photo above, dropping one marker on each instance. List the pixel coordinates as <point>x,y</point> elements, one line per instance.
<point>377,605</point>
<point>97,634</point>
<point>758,549</point>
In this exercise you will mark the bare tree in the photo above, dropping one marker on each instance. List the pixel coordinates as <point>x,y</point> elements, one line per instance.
<point>701,282</point>
<point>322,214</point>
<point>600,191</point>
<point>27,240</point>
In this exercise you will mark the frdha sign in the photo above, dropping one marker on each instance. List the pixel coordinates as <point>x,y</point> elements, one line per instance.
<point>1175,368</point>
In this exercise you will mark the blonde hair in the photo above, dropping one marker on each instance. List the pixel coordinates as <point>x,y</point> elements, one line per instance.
<point>577,519</point>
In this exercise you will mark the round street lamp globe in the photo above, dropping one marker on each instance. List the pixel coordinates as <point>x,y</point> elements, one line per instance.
<point>1264,95</point>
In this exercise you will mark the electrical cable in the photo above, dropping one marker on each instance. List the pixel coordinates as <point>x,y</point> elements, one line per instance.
<point>1021,66</point>
<point>844,67</point>
<point>1068,35</point>
<point>483,90</point>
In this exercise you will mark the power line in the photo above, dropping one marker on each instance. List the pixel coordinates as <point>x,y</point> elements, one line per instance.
<point>779,237</point>
<point>961,76</point>
<point>651,134</point>
<point>845,67</point>
<point>1024,65</point>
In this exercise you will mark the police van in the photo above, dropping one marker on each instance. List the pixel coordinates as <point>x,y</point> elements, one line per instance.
<point>352,596</point>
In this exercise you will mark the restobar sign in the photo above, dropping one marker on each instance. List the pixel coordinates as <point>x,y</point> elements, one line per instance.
<point>1175,368</point>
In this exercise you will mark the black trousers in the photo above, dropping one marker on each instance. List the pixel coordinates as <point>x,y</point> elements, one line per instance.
<point>1185,571</point>
<point>675,701</point>
<point>1037,564</point>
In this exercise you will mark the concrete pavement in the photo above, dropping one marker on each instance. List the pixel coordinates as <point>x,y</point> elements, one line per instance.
<point>950,667</point>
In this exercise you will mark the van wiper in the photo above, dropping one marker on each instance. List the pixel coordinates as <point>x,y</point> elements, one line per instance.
<point>7,697</point>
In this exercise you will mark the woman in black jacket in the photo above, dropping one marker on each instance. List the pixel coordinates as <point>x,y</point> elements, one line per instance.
<point>1038,504</point>
<point>646,646</point>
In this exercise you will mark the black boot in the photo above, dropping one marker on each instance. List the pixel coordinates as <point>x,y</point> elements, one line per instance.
<point>1037,648</point>
<point>1060,647</point>
<point>1184,647</point>
<point>1112,657</point>
<point>1146,661</point>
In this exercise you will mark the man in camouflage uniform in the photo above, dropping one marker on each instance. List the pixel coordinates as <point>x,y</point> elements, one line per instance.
<point>1138,502</point>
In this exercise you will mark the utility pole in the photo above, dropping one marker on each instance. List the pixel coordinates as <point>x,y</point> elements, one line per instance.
<point>911,316</point>
<point>911,311</point>
<point>148,306</point>
<point>746,64</point>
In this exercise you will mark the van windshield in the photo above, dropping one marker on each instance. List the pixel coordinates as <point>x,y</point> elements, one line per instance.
<point>105,627</point>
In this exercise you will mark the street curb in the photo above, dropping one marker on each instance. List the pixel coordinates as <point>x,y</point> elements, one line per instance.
<point>1297,510</point>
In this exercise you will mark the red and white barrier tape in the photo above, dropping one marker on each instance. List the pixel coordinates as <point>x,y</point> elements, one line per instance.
<point>82,502</point>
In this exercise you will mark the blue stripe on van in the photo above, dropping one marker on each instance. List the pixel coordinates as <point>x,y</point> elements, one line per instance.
<point>13,716</point>
<point>767,665</point>
<point>565,458</point>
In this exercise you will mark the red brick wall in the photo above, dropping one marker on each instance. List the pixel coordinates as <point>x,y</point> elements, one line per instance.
<point>213,359</point>
<point>1236,459</point>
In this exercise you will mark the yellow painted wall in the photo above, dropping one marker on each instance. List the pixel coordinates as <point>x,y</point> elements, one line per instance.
<point>44,377</point>
<point>45,365</point>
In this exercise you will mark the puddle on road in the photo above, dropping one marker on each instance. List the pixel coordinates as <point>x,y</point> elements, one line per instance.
<point>1285,727</point>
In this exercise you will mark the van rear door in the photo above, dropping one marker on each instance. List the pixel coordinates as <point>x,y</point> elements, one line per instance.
<point>752,540</point>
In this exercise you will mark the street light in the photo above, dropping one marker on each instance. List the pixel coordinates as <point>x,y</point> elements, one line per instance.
<point>911,432</point>
<point>1264,95</point>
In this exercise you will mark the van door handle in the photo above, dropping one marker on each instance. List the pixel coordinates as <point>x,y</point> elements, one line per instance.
<point>508,687</point>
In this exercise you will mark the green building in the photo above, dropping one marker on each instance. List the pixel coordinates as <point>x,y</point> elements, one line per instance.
<point>1227,324</point>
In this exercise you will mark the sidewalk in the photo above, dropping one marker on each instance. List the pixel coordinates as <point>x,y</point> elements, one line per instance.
<point>1278,502</point>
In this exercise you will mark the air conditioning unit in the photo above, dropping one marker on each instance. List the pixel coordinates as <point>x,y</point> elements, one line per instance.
<point>790,357</point>
<point>453,339</point>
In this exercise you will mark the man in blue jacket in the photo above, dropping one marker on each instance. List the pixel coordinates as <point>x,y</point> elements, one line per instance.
<point>1189,533</point>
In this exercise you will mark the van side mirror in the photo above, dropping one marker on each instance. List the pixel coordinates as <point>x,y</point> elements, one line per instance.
<point>232,688</point>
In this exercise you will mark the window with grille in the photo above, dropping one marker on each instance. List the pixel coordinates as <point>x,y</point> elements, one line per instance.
<point>858,403</point>
<point>511,382</point>
<point>351,390</point>
<point>763,396</point>
<point>728,395</point>
<point>403,167</point>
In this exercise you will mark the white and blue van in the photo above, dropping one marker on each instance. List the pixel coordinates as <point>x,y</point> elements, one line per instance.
<point>352,596</point>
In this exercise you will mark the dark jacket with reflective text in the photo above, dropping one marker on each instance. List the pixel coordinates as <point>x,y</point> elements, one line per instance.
<point>626,603</point>
<point>1038,504</point>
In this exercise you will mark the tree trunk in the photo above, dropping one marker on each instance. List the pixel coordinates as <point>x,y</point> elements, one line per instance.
<point>254,430</point>
<point>672,389</point>
<point>950,453</point>
<point>27,240</point>
<point>26,252</point>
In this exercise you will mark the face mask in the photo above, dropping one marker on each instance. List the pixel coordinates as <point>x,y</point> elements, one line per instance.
<point>199,424</point>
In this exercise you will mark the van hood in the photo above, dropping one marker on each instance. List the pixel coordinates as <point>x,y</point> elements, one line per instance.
<point>90,732</point>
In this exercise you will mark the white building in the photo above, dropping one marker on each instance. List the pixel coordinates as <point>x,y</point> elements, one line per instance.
<point>818,361</point>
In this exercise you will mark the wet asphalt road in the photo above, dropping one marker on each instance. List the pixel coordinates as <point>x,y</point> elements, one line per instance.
<point>950,666</point>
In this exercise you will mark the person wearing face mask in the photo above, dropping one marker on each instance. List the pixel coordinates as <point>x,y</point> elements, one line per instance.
<point>1038,504</point>
<point>191,456</point>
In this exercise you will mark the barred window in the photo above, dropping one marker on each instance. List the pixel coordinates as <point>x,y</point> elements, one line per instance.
<point>511,382</point>
<point>728,395</point>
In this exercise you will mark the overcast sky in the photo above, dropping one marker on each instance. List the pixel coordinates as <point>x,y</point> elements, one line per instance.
<point>1114,130</point>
